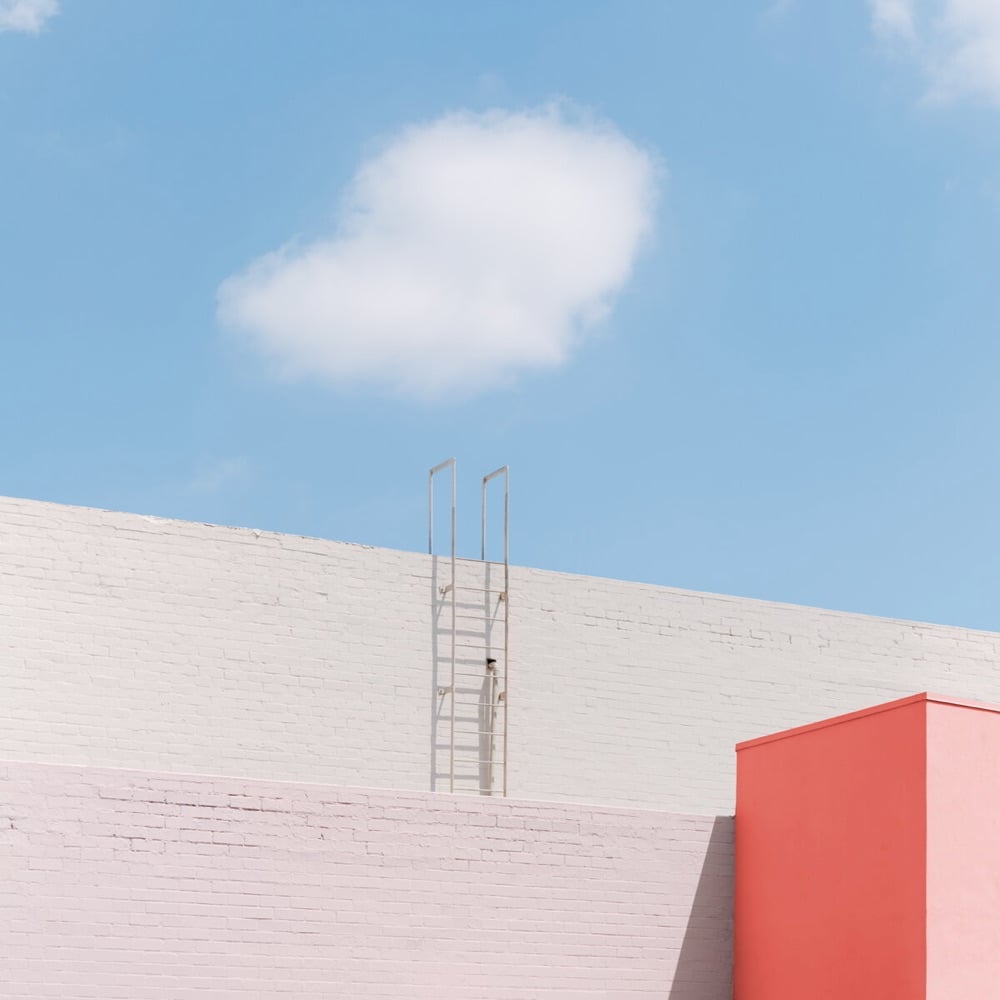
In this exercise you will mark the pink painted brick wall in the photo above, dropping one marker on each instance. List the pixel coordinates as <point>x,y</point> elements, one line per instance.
<point>134,885</point>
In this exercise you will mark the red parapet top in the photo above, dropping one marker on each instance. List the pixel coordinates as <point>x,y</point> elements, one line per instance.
<point>887,706</point>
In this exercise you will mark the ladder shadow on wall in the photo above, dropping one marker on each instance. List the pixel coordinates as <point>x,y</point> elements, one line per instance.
<point>705,962</point>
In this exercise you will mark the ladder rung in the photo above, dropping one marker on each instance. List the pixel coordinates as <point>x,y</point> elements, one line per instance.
<point>469,733</point>
<point>462,733</point>
<point>478,606</point>
<point>497,707</point>
<point>474,718</point>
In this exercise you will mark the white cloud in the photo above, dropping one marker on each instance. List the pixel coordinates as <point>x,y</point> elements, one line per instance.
<point>956,42</point>
<point>970,63</point>
<point>893,17</point>
<point>472,248</point>
<point>26,15</point>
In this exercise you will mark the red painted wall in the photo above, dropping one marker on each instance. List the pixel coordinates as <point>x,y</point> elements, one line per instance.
<point>830,859</point>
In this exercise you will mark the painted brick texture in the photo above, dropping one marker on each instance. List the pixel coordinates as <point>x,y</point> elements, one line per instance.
<point>128,641</point>
<point>126,885</point>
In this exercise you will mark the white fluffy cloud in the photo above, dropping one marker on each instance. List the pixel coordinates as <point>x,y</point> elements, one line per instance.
<point>471,249</point>
<point>26,15</point>
<point>893,17</point>
<point>956,41</point>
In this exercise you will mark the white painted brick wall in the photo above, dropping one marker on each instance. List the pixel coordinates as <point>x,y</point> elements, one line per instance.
<point>128,641</point>
<point>120,885</point>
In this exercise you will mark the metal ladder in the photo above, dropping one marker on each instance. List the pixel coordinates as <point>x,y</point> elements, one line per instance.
<point>471,631</point>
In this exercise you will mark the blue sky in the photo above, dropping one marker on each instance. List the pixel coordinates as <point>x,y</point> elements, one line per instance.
<point>757,354</point>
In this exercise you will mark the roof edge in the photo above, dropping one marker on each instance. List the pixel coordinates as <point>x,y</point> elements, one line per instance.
<point>888,706</point>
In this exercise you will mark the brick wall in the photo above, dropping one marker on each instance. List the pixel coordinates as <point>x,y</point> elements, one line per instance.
<point>137,642</point>
<point>142,886</point>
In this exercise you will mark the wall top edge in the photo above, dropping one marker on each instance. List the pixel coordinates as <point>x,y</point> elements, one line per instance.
<point>888,706</point>
<point>279,538</point>
<point>241,784</point>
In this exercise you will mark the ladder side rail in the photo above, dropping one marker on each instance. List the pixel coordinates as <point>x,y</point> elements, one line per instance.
<point>449,463</point>
<point>504,471</point>
<point>506,615</point>
<point>491,722</point>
